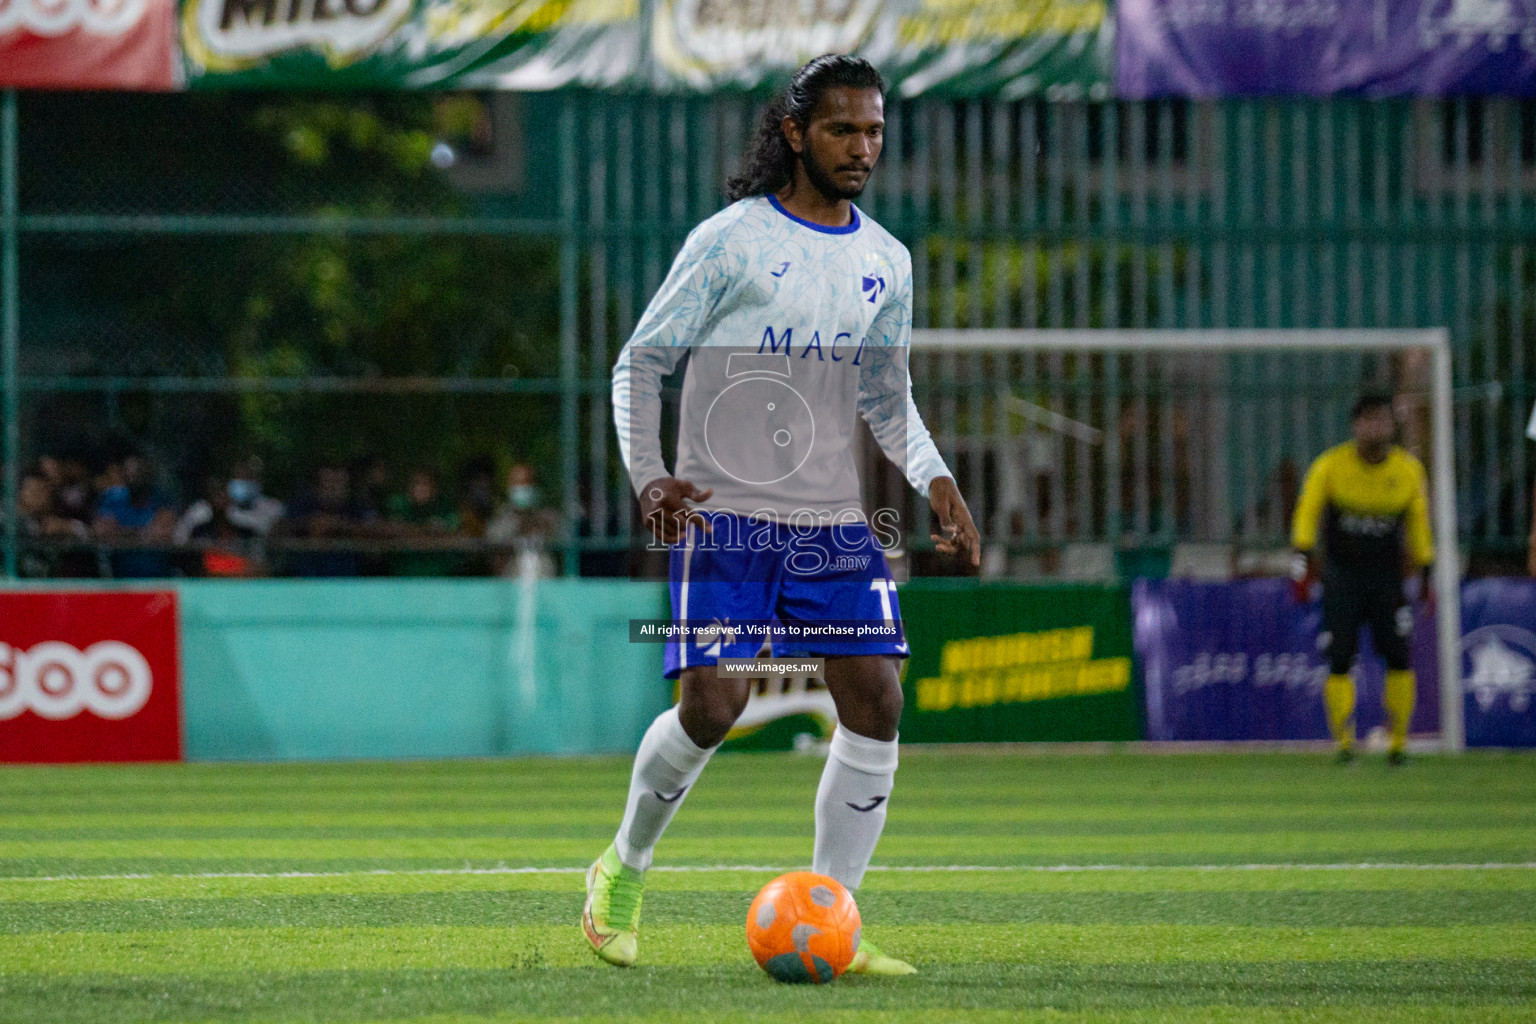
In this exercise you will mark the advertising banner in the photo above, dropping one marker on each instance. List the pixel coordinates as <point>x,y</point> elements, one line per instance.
<point>1009,48</point>
<point>1498,662</point>
<point>410,44</point>
<point>89,677</point>
<point>1239,661</point>
<point>1058,48</point>
<point>88,44</point>
<point>1010,662</point>
<point>1320,47</point>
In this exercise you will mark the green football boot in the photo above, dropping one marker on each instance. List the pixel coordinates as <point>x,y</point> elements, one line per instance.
<point>869,960</point>
<point>611,918</point>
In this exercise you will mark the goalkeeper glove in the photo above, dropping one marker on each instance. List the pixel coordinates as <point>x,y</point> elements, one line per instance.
<point>1303,577</point>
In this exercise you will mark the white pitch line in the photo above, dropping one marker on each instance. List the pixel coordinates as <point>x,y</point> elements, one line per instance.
<point>764,868</point>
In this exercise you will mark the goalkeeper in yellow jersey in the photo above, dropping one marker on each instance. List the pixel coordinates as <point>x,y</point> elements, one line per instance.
<point>1361,522</point>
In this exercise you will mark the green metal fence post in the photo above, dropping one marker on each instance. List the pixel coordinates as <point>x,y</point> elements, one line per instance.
<point>570,395</point>
<point>10,330</point>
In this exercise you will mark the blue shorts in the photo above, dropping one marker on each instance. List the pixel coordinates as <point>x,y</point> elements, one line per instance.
<point>754,570</point>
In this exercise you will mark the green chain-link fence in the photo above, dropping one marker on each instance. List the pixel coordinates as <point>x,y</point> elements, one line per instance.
<point>431,278</point>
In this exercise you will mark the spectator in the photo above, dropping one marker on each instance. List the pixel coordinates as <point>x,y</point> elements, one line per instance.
<point>329,512</point>
<point>225,547</point>
<point>70,482</point>
<point>40,521</point>
<point>524,523</point>
<point>245,506</point>
<point>477,495</point>
<point>370,485</point>
<point>421,513</point>
<point>133,511</point>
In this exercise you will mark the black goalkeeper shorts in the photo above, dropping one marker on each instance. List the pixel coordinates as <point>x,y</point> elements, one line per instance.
<point>1353,599</point>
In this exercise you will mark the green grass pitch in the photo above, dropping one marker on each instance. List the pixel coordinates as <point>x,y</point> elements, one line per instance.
<point>1026,887</point>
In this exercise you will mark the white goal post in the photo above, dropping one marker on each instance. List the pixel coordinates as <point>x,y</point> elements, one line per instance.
<point>1435,342</point>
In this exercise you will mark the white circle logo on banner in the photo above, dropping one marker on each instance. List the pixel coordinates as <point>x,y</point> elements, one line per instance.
<point>56,681</point>
<point>56,17</point>
<point>117,679</point>
<point>13,696</point>
<point>53,672</point>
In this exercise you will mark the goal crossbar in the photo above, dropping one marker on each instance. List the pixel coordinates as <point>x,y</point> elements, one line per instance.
<point>1434,340</point>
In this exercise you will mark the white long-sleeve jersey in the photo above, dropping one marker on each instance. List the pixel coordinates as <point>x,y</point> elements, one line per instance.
<point>793,331</point>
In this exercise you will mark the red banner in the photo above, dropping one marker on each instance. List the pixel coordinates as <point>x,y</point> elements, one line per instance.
<point>88,44</point>
<point>89,677</point>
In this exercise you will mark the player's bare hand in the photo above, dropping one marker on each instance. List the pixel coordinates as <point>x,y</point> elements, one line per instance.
<point>957,531</point>
<point>665,509</point>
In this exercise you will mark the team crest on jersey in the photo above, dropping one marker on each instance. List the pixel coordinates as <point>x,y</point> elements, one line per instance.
<point>873,278</point>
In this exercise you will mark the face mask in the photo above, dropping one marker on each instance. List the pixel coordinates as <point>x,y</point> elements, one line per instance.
<point>522,495</point>
<point>243,492</point>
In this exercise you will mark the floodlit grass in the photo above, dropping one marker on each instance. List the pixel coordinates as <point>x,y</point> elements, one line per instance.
<point>1118,888</point>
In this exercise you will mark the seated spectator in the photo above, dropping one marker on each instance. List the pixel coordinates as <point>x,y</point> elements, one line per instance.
<point>421,513</point>
<point>477,495</point>
<point>244,505</point>
<point>223,547</point>
<point>526,524</point>
<point>40,521</point>
<point>371,485</point>
<point>70,482</point>
<point>328,512</point>
<point>131,511</point>
<point>233,552</point>
<point>477,507</point>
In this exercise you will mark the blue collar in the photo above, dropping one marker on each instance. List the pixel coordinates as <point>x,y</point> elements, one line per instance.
<point>846,229</point>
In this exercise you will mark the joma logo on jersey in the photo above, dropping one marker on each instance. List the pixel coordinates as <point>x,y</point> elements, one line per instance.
<point>814,343</point>
<point>873,286</point>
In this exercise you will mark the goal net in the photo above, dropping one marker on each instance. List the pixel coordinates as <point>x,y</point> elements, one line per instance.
<point>1093,454</point>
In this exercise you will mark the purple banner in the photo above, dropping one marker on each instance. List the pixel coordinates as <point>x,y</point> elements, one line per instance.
<point>1320,47</point>
<point>1239,661</point>
<point>1498,662</point>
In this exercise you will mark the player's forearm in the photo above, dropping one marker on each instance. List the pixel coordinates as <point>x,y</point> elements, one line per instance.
<point>636,400</point>
<point>924,464</point>
<point>1304,528</point>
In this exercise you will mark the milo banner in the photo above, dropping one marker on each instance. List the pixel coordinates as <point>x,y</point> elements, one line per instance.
<point>1013,48</point>
<point>1008,662</point>
<point>409,44</point>
<point>1239,661</point>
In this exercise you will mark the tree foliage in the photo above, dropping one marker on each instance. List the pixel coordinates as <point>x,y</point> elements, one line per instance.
<point>183,300</point>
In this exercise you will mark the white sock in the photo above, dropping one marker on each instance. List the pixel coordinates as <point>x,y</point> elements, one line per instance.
<point>667,764</point>
<point>851,804</point>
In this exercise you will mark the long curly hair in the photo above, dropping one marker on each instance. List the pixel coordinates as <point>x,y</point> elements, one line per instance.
<point>770,163</point>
